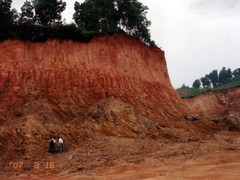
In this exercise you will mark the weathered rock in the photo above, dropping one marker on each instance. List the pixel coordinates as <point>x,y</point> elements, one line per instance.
<point>116,118</point>
<point>232,121</point>
<point>192,117</point>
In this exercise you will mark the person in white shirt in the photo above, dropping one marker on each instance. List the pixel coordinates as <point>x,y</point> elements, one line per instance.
<point>61,144</point>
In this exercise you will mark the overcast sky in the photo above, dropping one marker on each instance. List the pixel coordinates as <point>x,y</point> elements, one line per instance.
<point>197,36</point>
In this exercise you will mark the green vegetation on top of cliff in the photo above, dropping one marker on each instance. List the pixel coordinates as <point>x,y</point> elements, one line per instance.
<point>186,92</point>
<point>40,20</point>
<point>213,81</point>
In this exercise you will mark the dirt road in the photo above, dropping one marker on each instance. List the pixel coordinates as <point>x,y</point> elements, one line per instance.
<point>217,158</point>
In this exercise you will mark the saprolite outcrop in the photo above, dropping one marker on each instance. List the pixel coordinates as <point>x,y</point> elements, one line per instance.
<point>73,76</point>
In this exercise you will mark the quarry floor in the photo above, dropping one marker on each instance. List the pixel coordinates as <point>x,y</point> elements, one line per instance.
<point>113,158</point>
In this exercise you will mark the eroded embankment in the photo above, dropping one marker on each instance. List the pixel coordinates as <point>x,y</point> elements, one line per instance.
<point>75,76</point>
<point>220,107</point>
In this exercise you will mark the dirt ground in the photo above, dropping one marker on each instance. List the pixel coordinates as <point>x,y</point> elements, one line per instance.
<point>113,158</point>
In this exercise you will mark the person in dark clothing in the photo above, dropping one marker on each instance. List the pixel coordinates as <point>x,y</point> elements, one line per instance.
<point>52,145</point>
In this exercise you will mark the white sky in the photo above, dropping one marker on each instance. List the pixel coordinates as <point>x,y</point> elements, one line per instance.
<point>197,36</point>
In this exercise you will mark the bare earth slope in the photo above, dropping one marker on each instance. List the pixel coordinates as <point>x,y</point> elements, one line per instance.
<point>220,107</point>
<point>77,75</point>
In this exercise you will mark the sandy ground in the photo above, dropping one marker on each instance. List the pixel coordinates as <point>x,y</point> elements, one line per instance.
<point>222,165</point>
<point>216,158</point>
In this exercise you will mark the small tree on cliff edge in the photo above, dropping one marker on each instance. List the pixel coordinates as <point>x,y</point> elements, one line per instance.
<point>196,83</point>
<point>205,81</point>
<point>213,76</point>
<point>114,16</point>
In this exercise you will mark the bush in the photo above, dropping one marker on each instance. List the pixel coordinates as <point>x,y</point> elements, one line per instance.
<point>38,33</point>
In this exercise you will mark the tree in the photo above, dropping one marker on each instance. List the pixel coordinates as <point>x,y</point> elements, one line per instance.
<point>132,15</point>
<point>236,72</point>
<point>48,11</point>
<point>6,19</point>
<point>205,81</point>
<point>213,77</point>
<point>184,86</point>
<point>223,76</point>
<point>229,74</point>
<point>27,15</point>
<point>15,15</point>
<point>196,83</point>
<point>113,16</point>
<point>96,15</point>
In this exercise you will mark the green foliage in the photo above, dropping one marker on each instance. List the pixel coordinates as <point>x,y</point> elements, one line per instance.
<point>27,15</point>
<point>193,92</point>
<point>15,15</point>
<point>213,77</point>
<point>114,16</point>
<point>236,72</point>
<point>48,11</point>
<point>216,79</point>
<point>184,86</point>
<point>96,15</point>
<point>235,82</point>
<point>5,13</point>
<point>220,82</point>
<point>205,81</point>
<point>38,33</point>
<point>27,27</point>
<point>229,74</point>
<point>222,76</point>
<point>6,18</point>
<point>40,20</point>
<point>132,19</point>
<point>196,83</point>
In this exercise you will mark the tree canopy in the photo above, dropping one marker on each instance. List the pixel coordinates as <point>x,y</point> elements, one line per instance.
<point>114,16</point>
<point>196,83</point>
<point>213,76</point>
<point>222,76</point>
<point>205,81</point>
<point>215,79</point>
<point>41,19</point>
<point>48,11</point>
<point>6,18</point>
<point>236,72</point>
<point>5,13</point>
<point>27,15</point>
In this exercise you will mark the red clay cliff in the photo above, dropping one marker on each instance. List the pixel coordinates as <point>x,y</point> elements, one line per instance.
<point>77,75</point>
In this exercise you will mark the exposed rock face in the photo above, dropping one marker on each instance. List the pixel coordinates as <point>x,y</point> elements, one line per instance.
<point>116,118</point>
<point>210,105</point>
<point>215,104</point>
<point>73,76</point>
